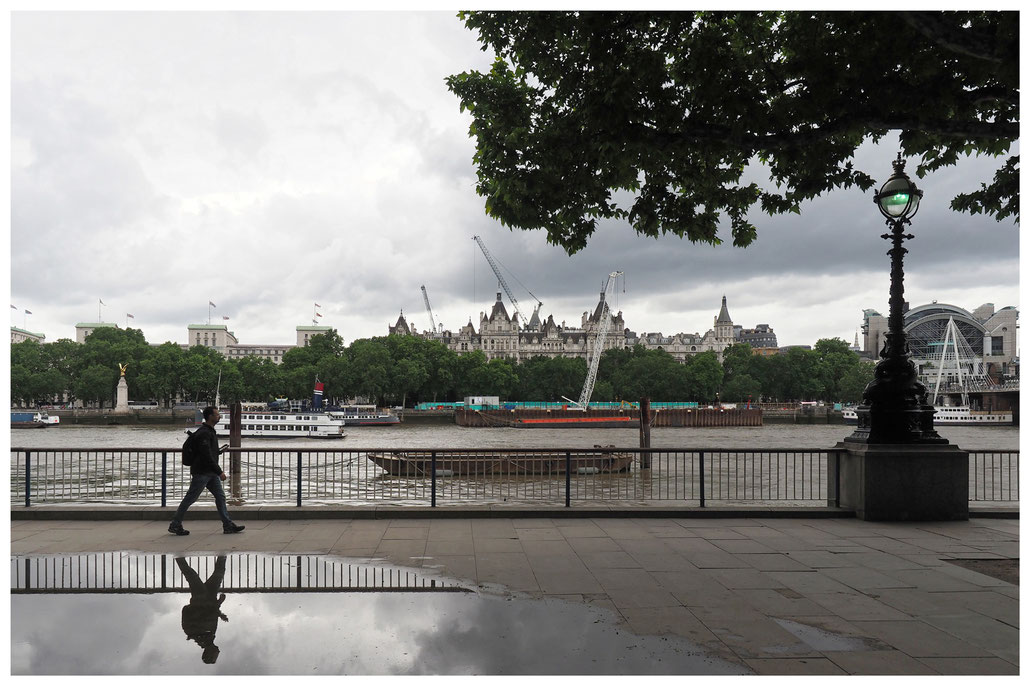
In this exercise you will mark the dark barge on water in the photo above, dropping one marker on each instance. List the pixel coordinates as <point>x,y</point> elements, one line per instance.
<point>496,463</point>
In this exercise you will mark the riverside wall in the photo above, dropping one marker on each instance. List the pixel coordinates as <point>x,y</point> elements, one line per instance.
<point>105,417</point>
<point>673,417</point>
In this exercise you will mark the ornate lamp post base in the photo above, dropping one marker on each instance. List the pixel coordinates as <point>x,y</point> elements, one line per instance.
<point>884,426</point>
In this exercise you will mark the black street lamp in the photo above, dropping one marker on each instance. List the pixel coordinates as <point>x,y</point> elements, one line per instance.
<point>894,408</point>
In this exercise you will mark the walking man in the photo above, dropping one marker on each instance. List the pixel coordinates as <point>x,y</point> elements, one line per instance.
<point>205,473</point>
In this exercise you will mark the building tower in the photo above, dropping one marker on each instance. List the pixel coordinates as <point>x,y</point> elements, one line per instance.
<point>724,326</point>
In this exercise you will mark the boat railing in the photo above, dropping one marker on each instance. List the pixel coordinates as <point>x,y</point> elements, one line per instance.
<point>570,476</point>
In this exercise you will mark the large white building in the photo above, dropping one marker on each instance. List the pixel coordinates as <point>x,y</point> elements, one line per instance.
<point>19,335</point>
<point>501,335</point>
<point>83,329</point>
<point>219,337</point>
<point>216,336</point>
<point>683,345</point>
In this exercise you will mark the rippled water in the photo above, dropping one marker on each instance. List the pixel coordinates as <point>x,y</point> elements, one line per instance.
<point>268,471</point>
<point>415,436</point>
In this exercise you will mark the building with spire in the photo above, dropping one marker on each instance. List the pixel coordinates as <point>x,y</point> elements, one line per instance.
<point>500,336</point>
<point>721,335</point>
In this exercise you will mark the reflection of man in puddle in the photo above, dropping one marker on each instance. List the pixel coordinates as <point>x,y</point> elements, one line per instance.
<point>200,616</point>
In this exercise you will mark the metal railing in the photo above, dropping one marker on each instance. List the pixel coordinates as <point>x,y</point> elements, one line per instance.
<point>994,476</point>
<point>697,478</point>
<point>434,477</point>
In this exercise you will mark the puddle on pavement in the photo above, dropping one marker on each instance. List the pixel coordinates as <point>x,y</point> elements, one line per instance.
<point>246,613</point>
<point>821,639</point>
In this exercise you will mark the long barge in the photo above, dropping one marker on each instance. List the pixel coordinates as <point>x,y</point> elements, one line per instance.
<point>494,464</point>
<point>559,418</point>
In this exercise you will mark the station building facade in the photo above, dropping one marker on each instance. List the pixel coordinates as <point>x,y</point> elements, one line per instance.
<point>989,333</point>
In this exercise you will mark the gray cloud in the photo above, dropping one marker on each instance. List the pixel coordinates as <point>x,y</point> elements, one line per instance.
<point>320,158</point>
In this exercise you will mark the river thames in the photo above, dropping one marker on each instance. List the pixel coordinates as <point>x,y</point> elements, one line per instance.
<point>422,436</point>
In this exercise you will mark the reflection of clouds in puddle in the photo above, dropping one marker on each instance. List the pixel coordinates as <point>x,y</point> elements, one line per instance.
<point>49,630</point>
<point>370,632</point>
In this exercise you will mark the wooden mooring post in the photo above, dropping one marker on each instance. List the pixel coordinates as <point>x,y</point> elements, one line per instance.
<point>645,432</point>
<point>235,436</point>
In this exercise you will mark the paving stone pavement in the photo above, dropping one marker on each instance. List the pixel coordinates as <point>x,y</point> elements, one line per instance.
<point>775,596</point>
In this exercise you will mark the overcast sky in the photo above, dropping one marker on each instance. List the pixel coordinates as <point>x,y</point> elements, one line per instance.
<point>266,162</point>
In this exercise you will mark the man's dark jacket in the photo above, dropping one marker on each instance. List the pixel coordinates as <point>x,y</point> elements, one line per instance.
<point>205,442</point>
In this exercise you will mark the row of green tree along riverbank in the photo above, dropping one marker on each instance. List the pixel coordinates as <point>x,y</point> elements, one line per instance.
<point>404,370</point>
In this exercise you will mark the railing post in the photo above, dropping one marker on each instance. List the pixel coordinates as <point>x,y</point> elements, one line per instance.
<point>568,479</point>
<point>164,479</point>
<point>433,469</point>
<point>833,479</point>
<point>299,478</point>
<point>28,477</point>
<point>702,470</point>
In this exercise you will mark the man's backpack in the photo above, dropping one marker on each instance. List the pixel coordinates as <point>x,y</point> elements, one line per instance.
<point>189,449</point>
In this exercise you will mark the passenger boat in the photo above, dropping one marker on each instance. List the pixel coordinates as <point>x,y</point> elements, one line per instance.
<point>363,415</point>
<point>278,424</point>
<point>963,416</point>
<point>500,463</point>
<point>31,420</point>
<point>954,415</point>
<point>278,421</point>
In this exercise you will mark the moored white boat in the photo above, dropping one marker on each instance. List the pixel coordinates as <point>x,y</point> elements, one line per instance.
<point>30,420</point>
<point>276,421</point>
<point>955,415</point>
<point>962,415</point>
<point>278,424</point>
<point>364,415</point>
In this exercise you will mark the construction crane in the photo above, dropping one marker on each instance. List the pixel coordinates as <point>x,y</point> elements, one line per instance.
<point>600,337</point>
<point>429,311</point>
<point>504,284</point>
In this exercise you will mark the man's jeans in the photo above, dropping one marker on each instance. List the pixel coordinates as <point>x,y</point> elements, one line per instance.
<point>213,483</point>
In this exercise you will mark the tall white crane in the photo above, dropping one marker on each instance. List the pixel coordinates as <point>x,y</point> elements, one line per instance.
<point>429,311</point>
<point>504,284</point>
<point>600,337</point>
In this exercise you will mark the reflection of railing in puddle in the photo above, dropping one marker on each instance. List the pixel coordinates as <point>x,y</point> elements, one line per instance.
<point>118,572</point>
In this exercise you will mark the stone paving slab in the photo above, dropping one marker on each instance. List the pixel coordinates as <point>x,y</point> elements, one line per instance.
<point>773,595</point>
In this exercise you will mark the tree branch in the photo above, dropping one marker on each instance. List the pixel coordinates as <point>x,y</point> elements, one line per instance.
<point>971,130</point>
<point>941,30</point>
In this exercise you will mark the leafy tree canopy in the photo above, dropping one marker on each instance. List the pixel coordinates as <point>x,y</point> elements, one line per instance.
<point>673,106</point>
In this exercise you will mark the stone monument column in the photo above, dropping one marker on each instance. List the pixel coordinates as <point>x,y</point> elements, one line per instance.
<point>122,405</point>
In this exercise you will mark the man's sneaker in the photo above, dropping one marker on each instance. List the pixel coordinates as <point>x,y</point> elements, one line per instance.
<point>177,529</point>
<point>233,529</point>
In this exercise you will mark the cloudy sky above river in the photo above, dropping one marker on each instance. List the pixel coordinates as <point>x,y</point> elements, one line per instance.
<point>266,162</point>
